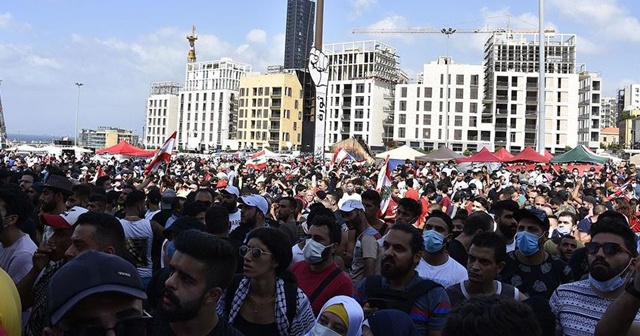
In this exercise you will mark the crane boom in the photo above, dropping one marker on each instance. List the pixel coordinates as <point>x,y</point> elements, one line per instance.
<point>439,31</point>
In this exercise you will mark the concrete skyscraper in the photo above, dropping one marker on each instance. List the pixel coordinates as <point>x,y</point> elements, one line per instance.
<point>299,33</point>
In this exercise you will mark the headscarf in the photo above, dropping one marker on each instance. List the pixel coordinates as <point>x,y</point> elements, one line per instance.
<point>354,313</point>
<point>391,322</point>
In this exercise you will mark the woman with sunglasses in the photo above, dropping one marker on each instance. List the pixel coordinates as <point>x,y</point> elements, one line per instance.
<point>259,304</point>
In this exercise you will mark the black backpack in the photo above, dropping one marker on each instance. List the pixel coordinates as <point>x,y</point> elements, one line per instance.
<point>386,298</point>
<point>290,294</point>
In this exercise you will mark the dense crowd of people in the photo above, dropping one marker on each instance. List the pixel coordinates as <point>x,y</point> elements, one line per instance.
<point>217,246</point>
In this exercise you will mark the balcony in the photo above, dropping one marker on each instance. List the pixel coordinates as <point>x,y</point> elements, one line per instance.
<point>346,117</point>
<point>346,105</point>
<point>585,89</point>
<point>532,100</point>
<point>502,85</point>
<point>388,109</point>
<point>532,86</point>
<point>276,94</point>
<point>502,99</point>
<point>500,141</point>
<point>487,112</point>
<point>388,121</point>
<point>388,96</point>
<point>274,117</point>
<point>275,106</point>
<point>529,141</point>
<point>584,102</point>
<point>501,126</point>
<point>346,92</point>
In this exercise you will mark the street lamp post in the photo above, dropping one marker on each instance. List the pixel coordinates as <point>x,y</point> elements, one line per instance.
<point>448,32</point>
<point>75,137</point>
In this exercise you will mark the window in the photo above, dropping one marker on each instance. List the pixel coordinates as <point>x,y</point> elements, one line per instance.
<point>418,92</point>
<point>403,105</point>
<point>458,106</point>
<point>417,120</point>
<point>473,107</point>
<point>474,93</point>
<point>402,119</point>
<point>458,121</point>
<point>459,93</point>
<point>427,106</point>
<point>403,92</point>
<point>401,132</point>
<point>459,79</point>
<point>474,80</point>
<point>457,135</point>
<point>426,119</point>
<point>428,92</point>
<point>359,88</point>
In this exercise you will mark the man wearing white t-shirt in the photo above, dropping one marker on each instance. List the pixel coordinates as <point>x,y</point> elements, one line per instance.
<point>436,265</point>
<point>230,196</point>
<point>140,234</point>
<point>16,248</point>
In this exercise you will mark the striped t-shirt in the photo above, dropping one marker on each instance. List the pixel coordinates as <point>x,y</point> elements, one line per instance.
<point>578,309</point>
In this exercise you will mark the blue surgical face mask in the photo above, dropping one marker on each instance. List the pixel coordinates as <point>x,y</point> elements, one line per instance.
<point>527,243</point>
<point>564,230</point>
<point>433,241</point>
<point>611,284</point>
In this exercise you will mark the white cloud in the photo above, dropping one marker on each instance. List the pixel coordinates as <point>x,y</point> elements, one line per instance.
<point>392,22</point>
<point>5,20</point>
<point>39,61</point>
<point>606,18</point>
<point>360,6</point>
<point>257,36</point>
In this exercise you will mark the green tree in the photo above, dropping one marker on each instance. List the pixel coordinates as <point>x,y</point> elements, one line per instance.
<point>567,148</point>
<point>466,152</point>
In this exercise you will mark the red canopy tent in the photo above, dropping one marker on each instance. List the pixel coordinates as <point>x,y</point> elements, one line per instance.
<point>547,154</point>
<point>124,148</point>
<point>484,155</point>
<point>530,155</point>
<point>503,154</point>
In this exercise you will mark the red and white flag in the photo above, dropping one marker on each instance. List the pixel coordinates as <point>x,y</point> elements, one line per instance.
<point>163,154</point>
<point>383,187</point>
<point>339,155</point>
<point>258,160</point>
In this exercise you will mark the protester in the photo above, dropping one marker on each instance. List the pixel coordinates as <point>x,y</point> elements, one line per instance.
<point>389,322</point>
<point>341,315</point>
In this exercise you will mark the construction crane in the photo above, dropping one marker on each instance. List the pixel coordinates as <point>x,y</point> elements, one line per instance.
<point>445,31</point>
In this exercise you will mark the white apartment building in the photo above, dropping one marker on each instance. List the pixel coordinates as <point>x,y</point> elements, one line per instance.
<point>631,97</point>
<point>511,90</point>
<point>162,113</point>
<point>209,105</point>
<point>421,117</point>
<point>589,109</point>
<point>609,112</point>
<point>361,75</point>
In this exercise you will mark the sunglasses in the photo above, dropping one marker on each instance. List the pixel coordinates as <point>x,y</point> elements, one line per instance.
<point>609,249</point>
<point>130,327</point>
<point>255,251</point>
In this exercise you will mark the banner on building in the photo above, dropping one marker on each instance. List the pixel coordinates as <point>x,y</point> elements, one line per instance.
<point>319,71</point>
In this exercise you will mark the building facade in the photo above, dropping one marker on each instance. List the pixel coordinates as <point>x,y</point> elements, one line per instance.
<point>511,90</point>
<point>420,117</point>
<point>362,77</point>
<point>106,136</point>
<point>589,109</point>
<point>207,117</point>
<point>609,112</point>
<point>270,112</point>
<point>609,136</point>
<point>161,121</point>
<point>299,33</point>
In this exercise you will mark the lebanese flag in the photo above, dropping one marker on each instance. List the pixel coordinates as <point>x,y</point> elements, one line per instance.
<point>258,160</point>
<point>163,154</point>
<point>383,187</point>
<point>339,155</point>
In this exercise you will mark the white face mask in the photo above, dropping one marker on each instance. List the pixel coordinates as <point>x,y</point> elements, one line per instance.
<point>320,330</point>
<point>564,230</point>
<point>314,252</point>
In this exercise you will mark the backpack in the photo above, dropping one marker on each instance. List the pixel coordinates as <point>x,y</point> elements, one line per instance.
<point>386,298</point>
<point>290,294</point>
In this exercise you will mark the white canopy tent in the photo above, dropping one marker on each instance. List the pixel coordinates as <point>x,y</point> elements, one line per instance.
<point>400,153</point>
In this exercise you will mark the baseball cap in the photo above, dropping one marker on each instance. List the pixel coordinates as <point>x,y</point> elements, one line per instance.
<point>590,199</point>
<point>350,205</point>
<point>65,220</point>
<point>167,198</point>
<point>538,215</point>
<point>100,273</point>
<point>255,201</point>
<point>231,190</point>
<point>222,183</point>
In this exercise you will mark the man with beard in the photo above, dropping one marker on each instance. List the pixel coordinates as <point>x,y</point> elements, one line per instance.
<point>230,196</point>
<point>371,201</point>
<point>505,225</point>
<point>53,199</point>
<point>427,301</point>
<point>253,212</point>
<point>408,212</point>
<point>199,276</point>
<point>365,246</point>
<point>27,179</point>
<point>579,306</point>
<point>286,214</point>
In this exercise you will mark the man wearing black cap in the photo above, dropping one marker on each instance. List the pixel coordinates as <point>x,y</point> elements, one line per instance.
<point>55,192</point>
<point>109,297</point>
<point>532,270</point>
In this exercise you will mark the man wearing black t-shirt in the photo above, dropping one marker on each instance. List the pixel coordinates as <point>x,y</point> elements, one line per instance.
<point>476,222</point>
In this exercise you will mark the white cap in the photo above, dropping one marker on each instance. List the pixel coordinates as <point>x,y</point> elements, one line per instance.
<point>231,190</point>
<point>255,201</point>
<point>350,205</point>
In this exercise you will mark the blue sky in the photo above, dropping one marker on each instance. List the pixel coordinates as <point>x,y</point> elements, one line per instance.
<point>118,47</point>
